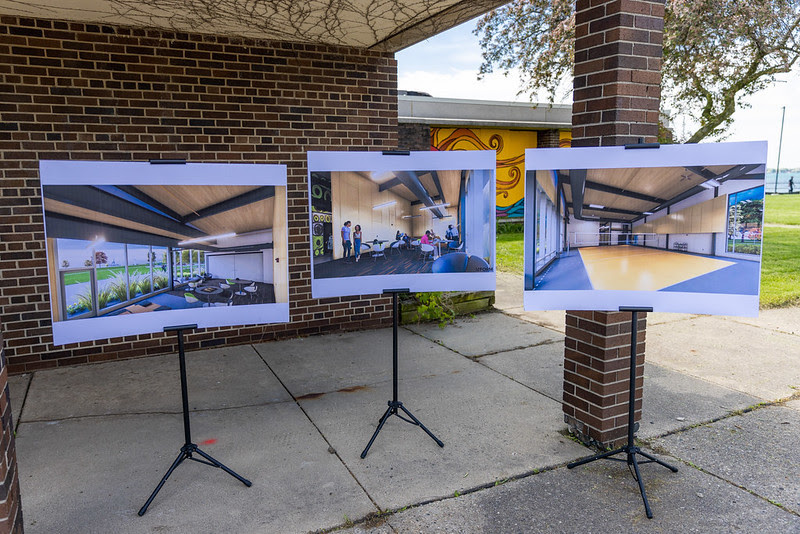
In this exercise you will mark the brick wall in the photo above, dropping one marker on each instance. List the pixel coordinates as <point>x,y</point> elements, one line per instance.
<point>615,101</point>
<point>597,374</point>
<point>547,138</point>
<point>414,136</point>
<point>10,507</point>
<point>617,82</point>
<point>82,91</point>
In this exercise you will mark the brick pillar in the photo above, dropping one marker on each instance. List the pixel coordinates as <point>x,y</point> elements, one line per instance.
<point>547,138</point>
<point>10,507</point>
<point>413,136</point>
<point>615,101</point>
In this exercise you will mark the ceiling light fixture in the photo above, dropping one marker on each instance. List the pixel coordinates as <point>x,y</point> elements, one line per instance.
<point>384,205</point>
<point>207,238</point>
<point>411,216</point>
<point>596,206</point>
<point>435,206</point>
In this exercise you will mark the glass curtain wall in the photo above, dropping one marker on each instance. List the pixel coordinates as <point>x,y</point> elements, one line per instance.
<point>547,229</point>
<point>96,276</point>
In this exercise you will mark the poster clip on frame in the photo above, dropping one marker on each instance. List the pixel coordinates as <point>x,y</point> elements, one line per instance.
<point>167,162</point>
<point>391,291</point>
<point>180,327</point>
<point>642,144</point>
<point>396,152</point>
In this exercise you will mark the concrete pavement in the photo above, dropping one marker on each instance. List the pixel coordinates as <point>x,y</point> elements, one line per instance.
<point>293,417</point>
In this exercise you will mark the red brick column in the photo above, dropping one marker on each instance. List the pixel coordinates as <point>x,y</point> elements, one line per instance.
<point>10,507</point>
<point>616,101</point>
<point>597,374</point>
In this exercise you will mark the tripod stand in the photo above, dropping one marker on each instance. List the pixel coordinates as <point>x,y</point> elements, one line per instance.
<point>630,449</point>
<point>188,448</point>
<point>395,406</point>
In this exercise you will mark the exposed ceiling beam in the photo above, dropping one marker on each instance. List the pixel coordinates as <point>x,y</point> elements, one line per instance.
<point>256,195</point>
<point>389,184</point>
<point>577,184</point>
<point>150,201</point>
<point>58,225</point>
<point>596,186</point>
<point>94,199</point>
<point>438,184</point>
<point>411,181</point>
<point>606,209</point>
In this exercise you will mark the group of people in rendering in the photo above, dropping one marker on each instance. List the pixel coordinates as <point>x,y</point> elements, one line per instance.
<point>352,238</point>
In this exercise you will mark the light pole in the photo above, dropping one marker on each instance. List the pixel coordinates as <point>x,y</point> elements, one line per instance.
<point>780,144</point>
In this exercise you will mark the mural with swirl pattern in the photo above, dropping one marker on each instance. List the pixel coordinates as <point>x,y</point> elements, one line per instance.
<point>509,145</point>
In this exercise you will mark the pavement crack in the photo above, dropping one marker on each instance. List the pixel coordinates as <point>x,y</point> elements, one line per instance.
<point>331,448</point>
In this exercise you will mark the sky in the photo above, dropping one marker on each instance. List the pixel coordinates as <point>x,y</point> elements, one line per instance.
<point>447,65</point>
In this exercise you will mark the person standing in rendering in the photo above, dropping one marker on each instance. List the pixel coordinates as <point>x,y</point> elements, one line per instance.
<point>357,241</point>
<point>791,184</point>
<point>451,234</point>
<point>346,239</point>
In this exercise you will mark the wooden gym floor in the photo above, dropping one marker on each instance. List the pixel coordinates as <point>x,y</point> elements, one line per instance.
<point>626,267</point>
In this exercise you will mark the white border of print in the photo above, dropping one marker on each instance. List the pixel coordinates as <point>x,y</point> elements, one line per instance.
<point>378,162</point>
<point>143,173</point>
<point>705,154</point>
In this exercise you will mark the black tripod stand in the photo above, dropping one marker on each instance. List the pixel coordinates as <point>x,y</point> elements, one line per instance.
<point>394,404</point>
<point>188,448</point>
<point>630,449</point>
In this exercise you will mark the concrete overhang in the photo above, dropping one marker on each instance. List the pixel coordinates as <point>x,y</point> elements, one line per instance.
<point>482,113</point>
<point>382,25</point>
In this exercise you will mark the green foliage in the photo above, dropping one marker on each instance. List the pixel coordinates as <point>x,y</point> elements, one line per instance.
<point>435,306</point>
<point>117,286</point>
<point>510,228</point>
<point>715,52</point>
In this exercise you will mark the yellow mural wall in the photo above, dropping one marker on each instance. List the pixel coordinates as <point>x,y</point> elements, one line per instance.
<point>510,147</point>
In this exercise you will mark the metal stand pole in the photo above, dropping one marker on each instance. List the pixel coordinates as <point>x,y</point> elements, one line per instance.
<point>630,449</point>
<point>188,448</point>
<point>394,404</point>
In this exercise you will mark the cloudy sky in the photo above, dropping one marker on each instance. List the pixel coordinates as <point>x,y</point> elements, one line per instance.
<point>447,66</point>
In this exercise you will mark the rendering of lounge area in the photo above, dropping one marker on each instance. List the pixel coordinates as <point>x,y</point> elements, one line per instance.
<point>119,250</point>
<point>370,223</point>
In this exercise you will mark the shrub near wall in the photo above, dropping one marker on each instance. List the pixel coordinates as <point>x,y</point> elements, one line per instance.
<point>88,92</point>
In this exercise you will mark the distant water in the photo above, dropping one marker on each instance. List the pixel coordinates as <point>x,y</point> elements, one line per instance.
<point>783,181</point>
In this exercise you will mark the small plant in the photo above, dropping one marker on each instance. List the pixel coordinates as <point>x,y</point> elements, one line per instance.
<point>117,286</point>
<point>435,306</point>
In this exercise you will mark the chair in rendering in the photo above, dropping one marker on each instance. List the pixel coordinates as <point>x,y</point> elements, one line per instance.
<point>252,289</point>
<point>454,245</point>
<point>455,262</point>
<point>190,298</point>
<point>377,250</point>
<point>476,264</point>
<point>427,251</point>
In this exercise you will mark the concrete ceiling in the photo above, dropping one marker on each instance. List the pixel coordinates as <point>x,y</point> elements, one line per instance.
<point>384,25</point>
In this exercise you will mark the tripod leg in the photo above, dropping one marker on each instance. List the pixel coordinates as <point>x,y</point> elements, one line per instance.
<point>423,427</point>
<point>224,468</point>
<point>595,457</point>
<point>181,457</point>
<point>659,462</point>
<point>377,431</point>
<point>632,460</point>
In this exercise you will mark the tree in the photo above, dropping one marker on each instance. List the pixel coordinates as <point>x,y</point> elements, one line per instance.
<point>716,52</point>
<point>100,257</point>
<point>65,264</point>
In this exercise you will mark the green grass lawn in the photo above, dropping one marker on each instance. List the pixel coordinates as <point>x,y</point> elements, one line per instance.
<point>104,273</point>
<point>509,252</point>
<point>782,209</point>
<point>780,265</point>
